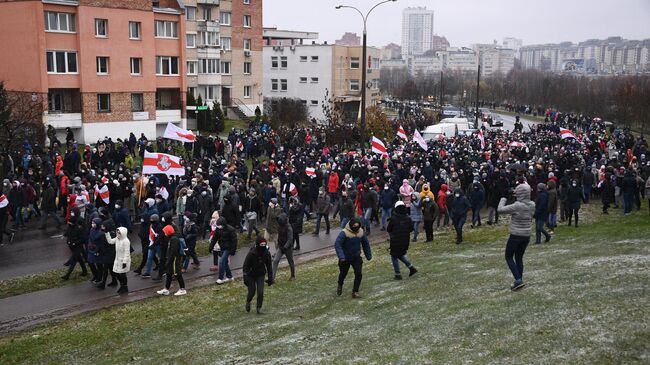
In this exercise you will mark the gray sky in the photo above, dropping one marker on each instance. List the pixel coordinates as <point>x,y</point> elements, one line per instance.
<point>464,22</point>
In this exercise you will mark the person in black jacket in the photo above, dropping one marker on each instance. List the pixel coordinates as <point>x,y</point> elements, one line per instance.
<point>190,234</point>
<point>296,214</point>
<point>458,211</point>
<point>174,258</point>
<point>230,212</point>
<point>541,214</point>
<point>76,238</point>
<point>226,236</point>
<point>399,228</point>
<point>285,245</point>
<point>256,265</point>
<point>574,198</point>
<point>252,206</point>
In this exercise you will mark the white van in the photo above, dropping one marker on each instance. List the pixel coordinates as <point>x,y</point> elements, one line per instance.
<point>440,130</point>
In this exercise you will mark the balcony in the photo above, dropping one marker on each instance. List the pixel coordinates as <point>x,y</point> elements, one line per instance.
<point>209,79</point>
<point>63,120</point>
<point>64,108</point>
<point>207,25</point>
<point>208,2</point>
<point>168,116</point>
<point>211,51</point>
<point>168,105</point>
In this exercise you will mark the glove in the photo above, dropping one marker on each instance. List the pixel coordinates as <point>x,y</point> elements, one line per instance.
<point>270,282</point>
<point>342,261</point>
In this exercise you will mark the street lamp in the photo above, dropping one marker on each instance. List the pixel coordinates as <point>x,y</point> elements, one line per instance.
<point>364,63</point>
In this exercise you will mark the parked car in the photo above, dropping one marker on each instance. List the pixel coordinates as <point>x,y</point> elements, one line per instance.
<point>495,121</point>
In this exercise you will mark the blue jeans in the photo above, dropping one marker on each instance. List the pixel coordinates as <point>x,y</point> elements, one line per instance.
<point>151,253</point>
<point>552,220</point>
<point>18,217</point>
<point>476,215</point>
<point>327,222</point>
<point>515,249</point>
<point>539,229</point>
<point>344,222</point>
<point>587,191</point>
<point>367,213</point>
<point>628,200</point>
<point>396,261</point>
<point>458,225</point>
<point>385,214</point>
<point>416,230</point>
<point>224,268</point>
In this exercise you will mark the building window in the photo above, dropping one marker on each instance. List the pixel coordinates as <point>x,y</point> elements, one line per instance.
<point>134,30</point>
<point>165,29</point>
<point>207,13</point>
<point>314,80</point>
<point>101,28</point>
<point>208,66</point>
<point>354,62</point>
<point>247,21</point>
<point>225,43</point>
<point>208,92</point>
<point>190,40</point>
<point>247,2</point>
<point>60,22</point>
<point>192,90</point>
<point>314,103</point>
<point>225,67</point>
<point>274,62</point>
<point>190,13</point>
<point>303,101</point>
<point>136,66</point>
<point>283,62</point>
<point>166,65</point>
<point>61,62</point>
<point>224,18</point>
<point>247,44</point>
<point>274,84</point>
<point>283,85</point>
<point>303,80</point>
<point>208,38</point>
<point>247,68</point>
<point>247,92</point>
<point>137,102</point>
<point>192,67</point>
<point>102,65</point>
<point>314,58</point>
<point>104,103</point>
<point>303,58</point>
<point>354,85</point>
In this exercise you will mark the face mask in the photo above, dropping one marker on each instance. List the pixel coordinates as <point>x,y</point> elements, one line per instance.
<point>574,185</point>
<point>386,187</point>
<point>457,195</point>
<point>427,199</point>
<point>204,193</point>
<point>117,206</point>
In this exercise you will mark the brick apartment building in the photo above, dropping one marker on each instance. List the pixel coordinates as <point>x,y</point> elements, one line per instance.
<point>105,67</point>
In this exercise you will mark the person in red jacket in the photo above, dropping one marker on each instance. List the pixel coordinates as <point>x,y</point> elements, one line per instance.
<point>333,186</point>
<point>442,205</point>
<point>64,181</point>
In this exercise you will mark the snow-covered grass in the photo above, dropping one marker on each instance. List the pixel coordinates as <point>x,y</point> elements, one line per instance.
<point>586,303</point>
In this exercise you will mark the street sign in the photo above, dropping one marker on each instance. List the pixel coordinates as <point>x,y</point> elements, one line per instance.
<point>203,107</point>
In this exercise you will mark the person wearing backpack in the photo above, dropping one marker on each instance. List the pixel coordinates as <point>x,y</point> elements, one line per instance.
<point>256,265</point>
<point>175,255</point>
<point>348,246</point>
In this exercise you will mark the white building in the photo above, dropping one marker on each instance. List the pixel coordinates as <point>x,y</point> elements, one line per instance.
<point>460,59</point>
<point>417,31</point>
<point>513,43</point>
<point>496,60</point>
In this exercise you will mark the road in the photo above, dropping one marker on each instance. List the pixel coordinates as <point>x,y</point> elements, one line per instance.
<point>509,122</point>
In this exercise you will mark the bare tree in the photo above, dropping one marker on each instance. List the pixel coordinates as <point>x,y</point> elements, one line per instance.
<point>21,118</point>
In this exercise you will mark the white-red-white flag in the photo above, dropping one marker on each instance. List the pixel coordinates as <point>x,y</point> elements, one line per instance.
<point>378,146</point>
<point>292,190</point>
<point>517,144</point>
<point>310,171</point>
<point>152,235</point>
<point>401,133</point>
<point>565,133</point>
<point>163,192</point>
<point>3,201</point>
<point>417,137</point>
<point>103,193</point>
<point>161,163</point>
<point>239,145</point>
<point>178,134</point>
<point>481,138</point>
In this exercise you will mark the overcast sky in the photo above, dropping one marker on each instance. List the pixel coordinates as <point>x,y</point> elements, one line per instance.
<point>464,22</point>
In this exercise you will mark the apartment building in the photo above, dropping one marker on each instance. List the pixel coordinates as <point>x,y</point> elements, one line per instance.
<point>311,71</point>
<point>417,31</point>
<point>105,67</point>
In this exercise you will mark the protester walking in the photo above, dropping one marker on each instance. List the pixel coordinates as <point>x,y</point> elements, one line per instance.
<point>348,247</point>
<point>399,229</point>
<point>257,264</point>
<point>175,254</point>
<point>285,246</point>
<point>122,262</point>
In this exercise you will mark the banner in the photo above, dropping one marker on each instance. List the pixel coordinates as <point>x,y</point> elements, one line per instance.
<point>378,146</point>
<point>178,134</point>
<point>310,171</point>
<point>103,193</point>
<point>417,137</point>
<point>160,163</point>
<point>401,133</point>
<point>482,139</point>
<point>565,133</point>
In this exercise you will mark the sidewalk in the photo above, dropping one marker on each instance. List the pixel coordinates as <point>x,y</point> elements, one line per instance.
<point>23,311</point>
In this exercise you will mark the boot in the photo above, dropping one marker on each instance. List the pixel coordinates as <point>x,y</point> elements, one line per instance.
<point>259,310</point>
<point>112,283</point>
<point>356,295</point>
<point>297,248</point>
<point>412,271</point>
<point>248,307</point>
<point>339,290</point>
<point>123,290</point>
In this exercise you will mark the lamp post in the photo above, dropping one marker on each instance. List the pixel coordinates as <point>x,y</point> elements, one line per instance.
<point>364,63</point>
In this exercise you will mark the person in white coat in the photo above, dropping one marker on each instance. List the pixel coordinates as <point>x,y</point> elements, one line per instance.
<point>122,263</point>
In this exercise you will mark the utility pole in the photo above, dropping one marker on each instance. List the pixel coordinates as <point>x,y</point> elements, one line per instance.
<point>364,71</point>
<point>441,92</point>
<point>478,83</point>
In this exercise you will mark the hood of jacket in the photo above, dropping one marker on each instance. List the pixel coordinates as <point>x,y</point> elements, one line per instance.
<point>349,234</point>
<point>522,193</point>
<point>122,233</point>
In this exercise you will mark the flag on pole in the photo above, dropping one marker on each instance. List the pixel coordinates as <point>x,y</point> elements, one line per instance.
<point>103,193</point>
<point>401,133</point>
<point>3,201</point>
<point>565,133</point>
<point>481,138</point>
<point>378,146</point>
<point>152,235</point>
<point>239,145</point>
<point>161,163</point>
<point>163,192</point>
<point>178,134</point>
<point>417,137</point>
<point>517,144</point>
<point>310,171</point>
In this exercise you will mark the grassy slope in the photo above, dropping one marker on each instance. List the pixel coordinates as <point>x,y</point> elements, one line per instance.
<point>584,304</point>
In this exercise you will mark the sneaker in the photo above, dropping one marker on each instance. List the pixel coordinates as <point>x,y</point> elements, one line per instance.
<point>11,237</point>
<point>220,281</point>
<point>548,238</point>
<point>412,271</point>
<point>518,284</point>
<point>398,277</point>
<point>228,279</point>
<point>146,275</point>
<point>339,290</point>
<point>180,292</point>
<point>163,292</point>
<point>214,268</point>
<point>137,272</point>
<point>356,295</point>
<point>248,307</point>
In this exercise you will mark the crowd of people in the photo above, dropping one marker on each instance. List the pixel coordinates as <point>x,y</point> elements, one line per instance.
<point>315,173</point>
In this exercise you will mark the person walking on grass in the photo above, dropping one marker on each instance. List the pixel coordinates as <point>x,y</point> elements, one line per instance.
<point>522,211</point>
<point>122,263</point>
<point>458,211</point>
<point>416,215</point>
<point>285,246</point>
<point>348,247</point>
<point>175,255</point>
<point>399,228</point>
<point>541,214</point>
<point>429,213</point>
<point>575,196</point>
<point>552,207</point>
<point>272,213</point>
<point>75,235</point>
<point>257,264</point>
<point>296,216</point>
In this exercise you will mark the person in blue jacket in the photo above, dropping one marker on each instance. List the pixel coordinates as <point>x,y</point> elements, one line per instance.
<point>387,198</point>
<point>541,214</point>
<point>121,216</point>
<point>348,249</point>
<point>458,211</point>
<point>477,198</point>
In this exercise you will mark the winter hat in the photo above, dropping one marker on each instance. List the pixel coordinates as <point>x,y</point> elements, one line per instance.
<point>399,203</point>
<point>168,230</point>
<point>261,242</point>
<point>150,202</point>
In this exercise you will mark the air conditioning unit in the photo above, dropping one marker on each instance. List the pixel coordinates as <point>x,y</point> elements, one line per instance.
<point>247,53</point>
